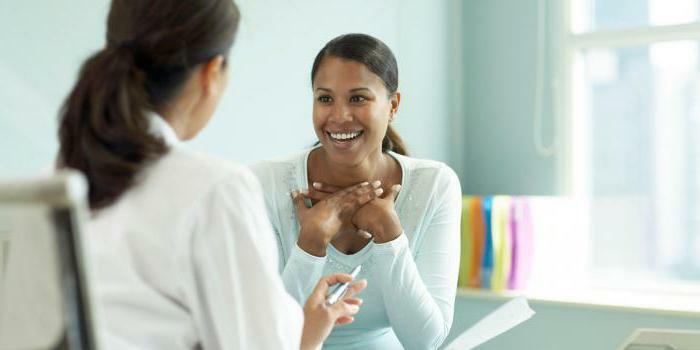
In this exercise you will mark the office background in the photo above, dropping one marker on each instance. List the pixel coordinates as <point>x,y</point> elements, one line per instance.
<point>267,109</point>
<point>469,75</point>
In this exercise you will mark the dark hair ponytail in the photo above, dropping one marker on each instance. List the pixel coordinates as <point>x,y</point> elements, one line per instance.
<point>104,132</point>
<point>379,59</point>
<point>393,141</point>
<point>151,48</point>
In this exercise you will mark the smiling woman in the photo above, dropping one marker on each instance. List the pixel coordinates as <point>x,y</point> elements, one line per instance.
<point>353,178</point>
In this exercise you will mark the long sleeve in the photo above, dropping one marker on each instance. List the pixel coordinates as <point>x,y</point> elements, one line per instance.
<point>301,273</point>
<point>419,295</point>
<point>238,299</point>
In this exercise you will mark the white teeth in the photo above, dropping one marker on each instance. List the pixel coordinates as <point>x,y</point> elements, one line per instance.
<point>345,136</point>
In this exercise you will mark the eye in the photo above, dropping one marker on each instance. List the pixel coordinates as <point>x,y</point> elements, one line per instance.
<point>358,98</point>
<point>324,99</point>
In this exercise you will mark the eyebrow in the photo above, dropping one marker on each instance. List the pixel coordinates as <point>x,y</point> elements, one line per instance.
<point>351,90</point>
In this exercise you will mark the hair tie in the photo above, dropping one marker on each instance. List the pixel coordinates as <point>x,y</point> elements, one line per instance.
<point>127,45</point>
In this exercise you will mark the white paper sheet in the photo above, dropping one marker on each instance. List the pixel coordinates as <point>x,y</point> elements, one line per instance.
<point>497,322</point>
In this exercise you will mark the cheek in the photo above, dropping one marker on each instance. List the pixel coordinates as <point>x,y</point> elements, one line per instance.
<point>317,118</point>
<point>377,119</point>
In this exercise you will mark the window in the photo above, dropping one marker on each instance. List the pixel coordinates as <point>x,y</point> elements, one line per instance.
<point>633,74</point>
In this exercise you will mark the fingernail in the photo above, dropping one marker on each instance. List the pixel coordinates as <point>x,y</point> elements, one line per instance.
<point>396,187</point>
<point>317,185</point>
<point>364,233</point>
<point>294,193</point>
<point>376,183</point>
<point>379,191</point>
<point>364,183</point>
<point>361,283</point>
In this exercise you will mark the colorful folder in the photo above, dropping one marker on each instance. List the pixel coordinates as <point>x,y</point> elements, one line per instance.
<point>477,235</point>
<point>501,238</point>
<point>487,264</point>
<point>523,243</point>
<point>465,260</point>
<point>496,242</point>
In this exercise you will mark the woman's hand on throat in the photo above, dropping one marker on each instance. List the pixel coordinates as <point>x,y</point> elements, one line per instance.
<point>377,217</point>
<point>324,220</point>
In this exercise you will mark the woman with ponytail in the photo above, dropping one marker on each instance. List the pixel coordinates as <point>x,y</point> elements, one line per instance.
<point>180,248</point>
<point>406,238</point>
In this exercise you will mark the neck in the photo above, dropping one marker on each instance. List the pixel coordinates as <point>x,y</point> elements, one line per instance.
<point>374,167</point>
<point>177,114</point>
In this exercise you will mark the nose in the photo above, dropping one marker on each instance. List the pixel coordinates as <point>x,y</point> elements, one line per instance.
<point>341,113</point>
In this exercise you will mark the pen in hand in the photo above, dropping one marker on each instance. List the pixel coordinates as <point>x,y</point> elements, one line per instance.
<point>341,288</point>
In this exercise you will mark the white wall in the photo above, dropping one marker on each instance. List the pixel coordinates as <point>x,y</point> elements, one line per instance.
<point>266,111</point>
<point>42,44</point>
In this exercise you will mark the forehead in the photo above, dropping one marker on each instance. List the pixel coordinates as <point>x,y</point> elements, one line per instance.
<point>339,73</point>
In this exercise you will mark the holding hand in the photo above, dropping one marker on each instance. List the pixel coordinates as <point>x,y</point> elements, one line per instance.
<point>319,318</point>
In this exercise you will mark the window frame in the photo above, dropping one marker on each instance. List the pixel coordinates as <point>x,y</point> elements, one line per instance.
<point>573,162</point>
<point>573,169</point>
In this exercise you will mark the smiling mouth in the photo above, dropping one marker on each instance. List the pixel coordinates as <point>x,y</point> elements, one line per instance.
<point>345,136</point>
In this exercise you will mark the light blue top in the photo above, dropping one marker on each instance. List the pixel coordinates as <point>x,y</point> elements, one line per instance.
<point>412,280</point>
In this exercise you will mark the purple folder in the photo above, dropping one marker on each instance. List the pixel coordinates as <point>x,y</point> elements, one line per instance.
<point>522,243</point>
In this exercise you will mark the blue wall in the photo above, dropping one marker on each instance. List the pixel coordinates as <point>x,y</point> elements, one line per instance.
<point>498,72</point>
<point>266,111</point>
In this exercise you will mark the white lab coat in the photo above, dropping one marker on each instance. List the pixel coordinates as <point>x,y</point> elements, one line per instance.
<point>186,259</point>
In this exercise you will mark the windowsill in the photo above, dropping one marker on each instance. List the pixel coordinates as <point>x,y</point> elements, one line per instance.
<point>639,302</point>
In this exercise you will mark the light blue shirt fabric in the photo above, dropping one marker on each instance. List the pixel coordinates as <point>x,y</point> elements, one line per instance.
<point>412,280</point>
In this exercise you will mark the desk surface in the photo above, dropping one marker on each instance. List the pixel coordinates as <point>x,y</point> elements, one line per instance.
<point>657,304</point>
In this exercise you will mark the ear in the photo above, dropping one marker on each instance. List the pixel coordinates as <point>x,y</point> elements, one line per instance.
<point>211,73</point>
<point>395,100</point>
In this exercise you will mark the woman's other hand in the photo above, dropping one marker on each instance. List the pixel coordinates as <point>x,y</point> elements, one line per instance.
<point>379,217</point>
<point>319,318</point>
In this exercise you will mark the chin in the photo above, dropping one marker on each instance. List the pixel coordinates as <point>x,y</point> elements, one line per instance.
<point>346,157</point>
